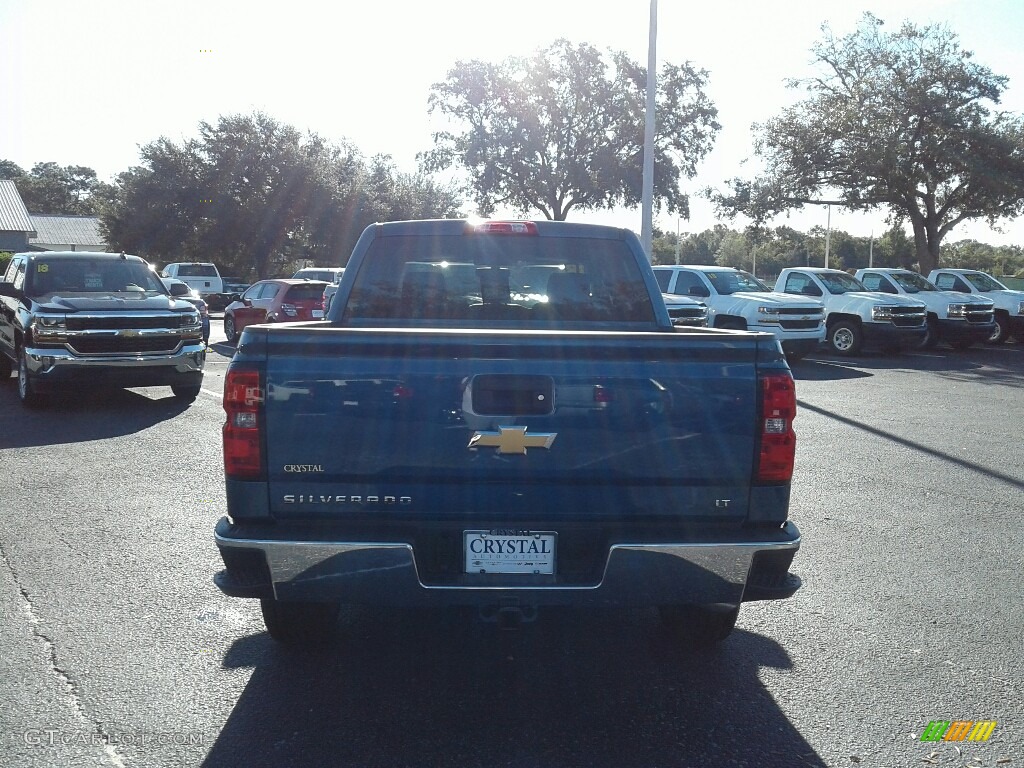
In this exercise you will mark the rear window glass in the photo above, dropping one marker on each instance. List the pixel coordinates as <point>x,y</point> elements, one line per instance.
<point>311,292</point>
<point>197,270</point>
<point>523,280</point>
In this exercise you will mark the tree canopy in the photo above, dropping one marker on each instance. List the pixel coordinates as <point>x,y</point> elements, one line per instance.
<point>900,121</point>
<point>71,190</point>
<point>563,130</point>
<point>256,195</point>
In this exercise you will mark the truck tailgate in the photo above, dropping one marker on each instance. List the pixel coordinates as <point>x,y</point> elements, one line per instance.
<point>509,425</point>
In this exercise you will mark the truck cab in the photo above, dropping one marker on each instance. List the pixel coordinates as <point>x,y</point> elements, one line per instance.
<point>1009,304</point>
<point>958,319</point>
<point>738,300</point>
<point>855,317</point>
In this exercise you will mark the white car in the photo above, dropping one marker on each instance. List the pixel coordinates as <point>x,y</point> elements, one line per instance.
<point>958,319</point>
<point>854,316</point>
<point>1009,304</point>
<point>738,300</point>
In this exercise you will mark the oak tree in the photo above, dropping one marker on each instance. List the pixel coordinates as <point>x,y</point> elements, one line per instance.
<point>563,130</point>
<point>902,121</point>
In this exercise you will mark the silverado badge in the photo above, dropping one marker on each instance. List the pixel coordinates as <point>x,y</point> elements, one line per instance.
<point>511,440</point>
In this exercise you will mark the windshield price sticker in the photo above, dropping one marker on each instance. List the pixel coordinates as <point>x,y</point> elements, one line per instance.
<point>510,551</point>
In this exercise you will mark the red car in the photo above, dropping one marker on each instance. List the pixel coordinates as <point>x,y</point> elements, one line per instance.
<point>274,301</point>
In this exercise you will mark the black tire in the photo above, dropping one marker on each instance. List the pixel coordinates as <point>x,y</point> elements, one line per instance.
<point>6,369</point>
<point>932,337</point>
<point>27,391</point>
<point>229,329</point>
<point>845,338</point>
<point>1002,330</point>
<point>184,392</point>
<point>698,625</point>
<point>299,623</point>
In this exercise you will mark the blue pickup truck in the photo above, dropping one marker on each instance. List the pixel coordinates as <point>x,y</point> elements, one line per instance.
<point>501,414</point>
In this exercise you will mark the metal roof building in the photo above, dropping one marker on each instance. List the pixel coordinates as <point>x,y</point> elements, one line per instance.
<point>66,233</point>
<point>15,224</point>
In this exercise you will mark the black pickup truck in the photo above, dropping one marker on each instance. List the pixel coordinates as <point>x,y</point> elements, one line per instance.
<point>78,319</point>
<point>502,414</point>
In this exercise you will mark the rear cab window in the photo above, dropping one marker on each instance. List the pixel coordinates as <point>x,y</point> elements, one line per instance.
<point>470,280</point>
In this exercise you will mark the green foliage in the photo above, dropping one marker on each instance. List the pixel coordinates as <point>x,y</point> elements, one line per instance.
<point>563,130</point>
<point>899,121</point>
<point>5,259</point>
<point>255,196</point>
<point>72,190</point>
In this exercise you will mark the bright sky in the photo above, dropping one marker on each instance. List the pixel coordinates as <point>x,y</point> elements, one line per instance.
<point>88,82</point>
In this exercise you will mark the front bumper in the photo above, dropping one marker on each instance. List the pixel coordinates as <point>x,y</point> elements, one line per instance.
<point>749,564</point>
<point>56,367</point>
<point>961,330</point>
<point>889,335</point>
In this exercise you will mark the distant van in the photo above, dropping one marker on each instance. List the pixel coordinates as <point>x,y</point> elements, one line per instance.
<point>203,277</point>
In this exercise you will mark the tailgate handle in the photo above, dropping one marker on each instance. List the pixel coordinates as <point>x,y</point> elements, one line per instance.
<point>512,395</point>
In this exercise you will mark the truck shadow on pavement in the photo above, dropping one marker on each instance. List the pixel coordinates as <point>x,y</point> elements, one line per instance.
<point>81,416</point>
<point>986,365</point>
<point>442,688</point>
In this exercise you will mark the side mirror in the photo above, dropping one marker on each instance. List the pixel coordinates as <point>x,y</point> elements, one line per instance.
<point>699,290</point>
<point>8,290</point>
<point>247,302</point>
<point>180,289</point>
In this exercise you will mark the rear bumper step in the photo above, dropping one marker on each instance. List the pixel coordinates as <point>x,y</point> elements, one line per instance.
<point>728,571</point>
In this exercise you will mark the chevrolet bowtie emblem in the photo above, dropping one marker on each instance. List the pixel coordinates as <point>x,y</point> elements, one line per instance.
<point>511,440</point>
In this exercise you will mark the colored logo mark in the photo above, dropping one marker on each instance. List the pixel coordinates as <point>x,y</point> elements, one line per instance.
<point>958,730</point>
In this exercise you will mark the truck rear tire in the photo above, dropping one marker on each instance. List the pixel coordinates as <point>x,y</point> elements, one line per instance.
<point>186,393</point>
<point>299,623</point>
<point>699,625</point>
<point>1002,329</point>
<point>845,337</point>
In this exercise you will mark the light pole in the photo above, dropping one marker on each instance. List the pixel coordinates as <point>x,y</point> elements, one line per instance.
<point>647,225</point>
<point>828,232</point>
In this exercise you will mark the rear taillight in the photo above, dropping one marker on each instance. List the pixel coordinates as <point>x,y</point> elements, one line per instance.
<point>777,438</point>
<point>243,402</point>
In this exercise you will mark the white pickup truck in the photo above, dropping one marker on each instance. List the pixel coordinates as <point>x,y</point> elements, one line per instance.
<point>854,316</point>
<point>738,300</point>
<point>685,311</point>
<point>958,319</point>
<point>1009,304</point>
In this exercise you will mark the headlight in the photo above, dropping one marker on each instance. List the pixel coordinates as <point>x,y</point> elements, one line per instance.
<point>192,318</point>
<point>881,313</point>
<point>49,326</point>
<point>1020,308</point>
<point>956,310</point>
<point>768,310</point>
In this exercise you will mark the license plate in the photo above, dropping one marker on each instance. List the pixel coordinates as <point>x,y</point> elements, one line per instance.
<point>510,551</point>
<point>318,313</point>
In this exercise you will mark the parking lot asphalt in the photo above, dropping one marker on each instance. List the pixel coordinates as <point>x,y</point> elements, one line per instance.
<point>118,650</point>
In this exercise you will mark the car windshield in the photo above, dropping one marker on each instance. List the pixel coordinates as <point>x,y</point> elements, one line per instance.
<point>734,282</point>
<point>912,282</point>
<point>839,282</point>
<point>983,282</point>
<point>63,275</point>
